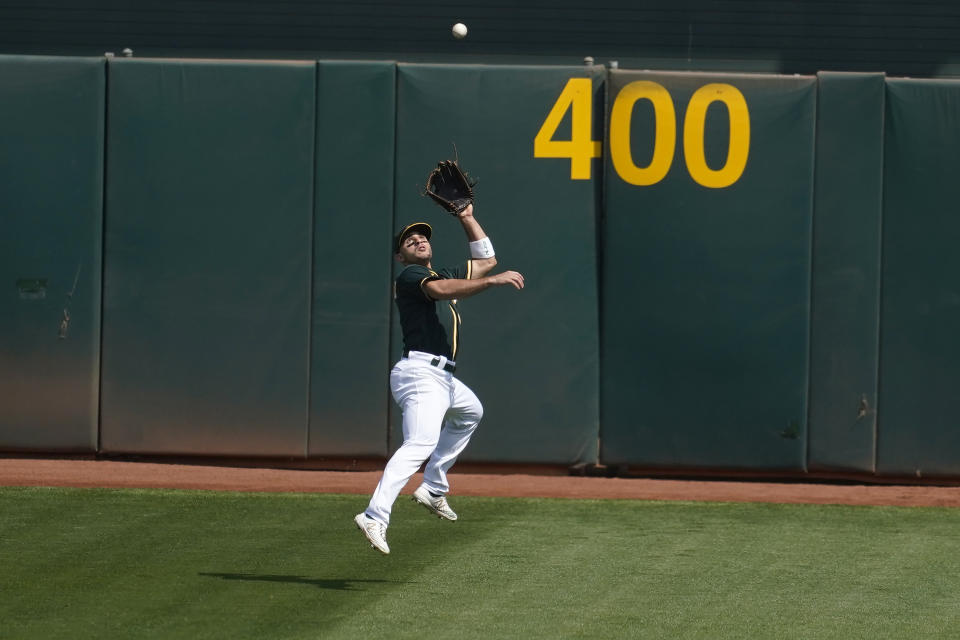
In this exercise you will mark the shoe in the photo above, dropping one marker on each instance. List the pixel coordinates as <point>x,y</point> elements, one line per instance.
<point>376,533</point>
<point>437,505</point>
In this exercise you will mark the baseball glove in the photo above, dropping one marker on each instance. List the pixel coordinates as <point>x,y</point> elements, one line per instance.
<point>450,187</point>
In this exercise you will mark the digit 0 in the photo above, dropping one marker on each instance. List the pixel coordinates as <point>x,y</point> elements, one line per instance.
<point>665,128</point>
<point>694,135</point>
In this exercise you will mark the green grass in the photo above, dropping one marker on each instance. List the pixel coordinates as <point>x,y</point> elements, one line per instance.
<point>78,563</point>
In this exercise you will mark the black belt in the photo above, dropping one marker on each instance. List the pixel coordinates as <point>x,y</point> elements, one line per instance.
<point>447,366</point>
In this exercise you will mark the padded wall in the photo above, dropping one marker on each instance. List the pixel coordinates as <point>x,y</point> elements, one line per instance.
<point>920,311</point>
<point>51,206</point>
<point>208,253</point>
<point>705,290</point>
<point>531,356</point>
<point>352,265</point>
<point>846,272</point>
<point>726,300</point>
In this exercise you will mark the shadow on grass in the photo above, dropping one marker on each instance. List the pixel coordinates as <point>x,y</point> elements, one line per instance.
<point>344,584</point>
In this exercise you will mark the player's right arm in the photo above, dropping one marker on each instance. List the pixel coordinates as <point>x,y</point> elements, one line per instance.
<point>456,289</point>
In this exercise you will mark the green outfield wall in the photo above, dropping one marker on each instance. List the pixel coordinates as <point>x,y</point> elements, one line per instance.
<point>531,356</point>
<point>706,249</point>
<point>353,228</point>
<point>920,308</point>
<point>207,262</point>
<point>724,272</point>
<point>845,287</point>
<point>51,220</point>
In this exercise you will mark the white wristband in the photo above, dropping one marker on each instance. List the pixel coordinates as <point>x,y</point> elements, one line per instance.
<point>482,248</point>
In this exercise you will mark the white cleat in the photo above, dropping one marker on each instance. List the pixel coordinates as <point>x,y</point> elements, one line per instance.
<point>375,532</point>
<point>437,505</point>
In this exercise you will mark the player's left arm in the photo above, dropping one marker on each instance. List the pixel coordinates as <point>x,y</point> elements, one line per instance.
<point>479,244</point>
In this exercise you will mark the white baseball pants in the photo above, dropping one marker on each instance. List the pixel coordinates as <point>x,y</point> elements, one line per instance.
<point>440,413</point>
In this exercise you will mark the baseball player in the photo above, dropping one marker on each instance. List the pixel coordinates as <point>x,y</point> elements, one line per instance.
<point>440,413</point>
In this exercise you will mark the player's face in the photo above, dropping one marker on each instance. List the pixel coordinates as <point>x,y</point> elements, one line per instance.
<point>415,249</point>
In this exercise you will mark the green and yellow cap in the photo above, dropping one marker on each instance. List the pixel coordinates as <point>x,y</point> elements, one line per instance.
<point>417,227</point>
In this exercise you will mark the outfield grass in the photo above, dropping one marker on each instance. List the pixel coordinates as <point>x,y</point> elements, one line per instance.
<point>78,563</point>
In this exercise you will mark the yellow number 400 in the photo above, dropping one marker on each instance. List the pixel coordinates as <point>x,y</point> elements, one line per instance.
<point>576,97</point>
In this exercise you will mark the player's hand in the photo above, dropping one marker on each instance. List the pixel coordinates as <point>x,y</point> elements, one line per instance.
<point>508,278</point>
<point>466,213</point>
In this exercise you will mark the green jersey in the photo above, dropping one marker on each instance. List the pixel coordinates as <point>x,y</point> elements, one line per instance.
<point>419,321</point>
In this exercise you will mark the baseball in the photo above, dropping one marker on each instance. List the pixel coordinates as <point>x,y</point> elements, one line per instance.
<point>459,31</point>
